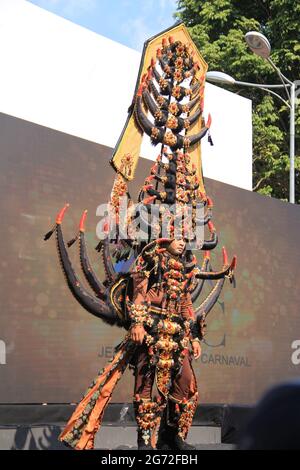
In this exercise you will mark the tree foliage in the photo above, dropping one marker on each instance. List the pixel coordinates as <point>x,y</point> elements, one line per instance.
<point>218,28</point>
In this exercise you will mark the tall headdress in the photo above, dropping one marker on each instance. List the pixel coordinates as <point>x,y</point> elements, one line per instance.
<point>168,108</point>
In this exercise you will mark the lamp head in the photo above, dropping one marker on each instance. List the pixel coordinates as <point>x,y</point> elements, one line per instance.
<point>258,44</point>
<point>219,77</point>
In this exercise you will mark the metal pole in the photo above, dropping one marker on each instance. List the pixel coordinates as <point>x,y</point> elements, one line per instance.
<point>291,104</point>
<point>283,79</point>
<point>292,144</point>
<point>266,88</point>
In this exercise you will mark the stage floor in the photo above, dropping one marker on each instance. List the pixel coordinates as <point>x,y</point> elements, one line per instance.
<point>108,438</point>
<point>35,426</point>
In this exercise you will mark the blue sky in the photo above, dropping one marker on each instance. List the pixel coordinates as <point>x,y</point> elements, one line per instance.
<point>129,22</point>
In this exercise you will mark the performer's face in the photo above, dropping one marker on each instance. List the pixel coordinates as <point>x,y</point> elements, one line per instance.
<point>176,247</point>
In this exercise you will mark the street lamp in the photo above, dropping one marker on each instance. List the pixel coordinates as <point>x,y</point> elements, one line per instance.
<point>260,45</point>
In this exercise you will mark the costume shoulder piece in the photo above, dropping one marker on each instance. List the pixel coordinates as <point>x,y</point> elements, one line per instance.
<point>167,108</point>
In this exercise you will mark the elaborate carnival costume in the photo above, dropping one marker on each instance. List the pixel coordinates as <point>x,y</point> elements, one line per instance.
<point>159,289</point>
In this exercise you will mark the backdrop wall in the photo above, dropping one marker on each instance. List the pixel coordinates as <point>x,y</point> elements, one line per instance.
<point>50,348</point>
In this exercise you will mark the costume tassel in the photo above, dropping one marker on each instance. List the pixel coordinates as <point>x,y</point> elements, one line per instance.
<point>49,234</point>
<point>72,241</point>
<point>99,246</point>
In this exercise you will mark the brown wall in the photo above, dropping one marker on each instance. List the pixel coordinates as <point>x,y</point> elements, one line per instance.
<point>54,348</point>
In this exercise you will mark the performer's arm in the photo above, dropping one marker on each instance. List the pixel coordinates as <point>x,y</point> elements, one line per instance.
<point>187,311</point>
<point>138,308</point>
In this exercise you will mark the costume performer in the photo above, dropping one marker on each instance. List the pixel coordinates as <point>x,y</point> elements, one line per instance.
<point>153,299</point>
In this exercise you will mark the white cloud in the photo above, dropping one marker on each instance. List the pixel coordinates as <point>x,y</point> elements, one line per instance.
<point>138,30</point>
<point>165,10</point>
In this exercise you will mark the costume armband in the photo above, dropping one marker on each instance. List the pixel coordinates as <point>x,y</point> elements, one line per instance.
<point>198,329</point>
<point>139,314</point>
<point>196,340</point>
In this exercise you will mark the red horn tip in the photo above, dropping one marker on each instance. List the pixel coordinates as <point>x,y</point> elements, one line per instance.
<point>225,257</point>
<point>210,202</point>
<point>147,186</point>
<point>61,214</point>
<point>149,199</point>
<point>208,122</point>
<point>106,227</point>
<point>234,262</point>
<point>82,221</point>
<point>202,104</point>
<point>149,178</point>
<point>211,226</point>
<point>141,89</point>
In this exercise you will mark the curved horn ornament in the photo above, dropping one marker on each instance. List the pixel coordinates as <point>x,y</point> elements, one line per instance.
<point>92,304</point>
<point>192,140</point>
<point>161,101</point>
<point>164,84</point>
<point>178,124</point>
<point>87,269</point>
<point>226,271</point>
<point>107,261</point>
<point>159,115</point>
<point>149,102</point>
<point>200,282</point>
<point>206,306</point>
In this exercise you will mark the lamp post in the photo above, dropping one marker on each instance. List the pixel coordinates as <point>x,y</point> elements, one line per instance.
<point>260,45</point>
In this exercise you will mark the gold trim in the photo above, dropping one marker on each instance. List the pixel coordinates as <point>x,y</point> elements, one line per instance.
<point>162,311</point>
<point>114,287</point>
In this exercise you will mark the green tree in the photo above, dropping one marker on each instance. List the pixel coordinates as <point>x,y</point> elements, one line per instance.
<point>218,28</point>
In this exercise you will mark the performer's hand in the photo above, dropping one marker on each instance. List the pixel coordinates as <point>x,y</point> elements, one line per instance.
<point>137,334</point>
<point>196,349</point>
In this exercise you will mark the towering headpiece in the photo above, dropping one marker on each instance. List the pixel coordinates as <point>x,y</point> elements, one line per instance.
<point>168,107</point>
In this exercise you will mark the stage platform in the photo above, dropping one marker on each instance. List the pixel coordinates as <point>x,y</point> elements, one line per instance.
<point>24,427</point>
